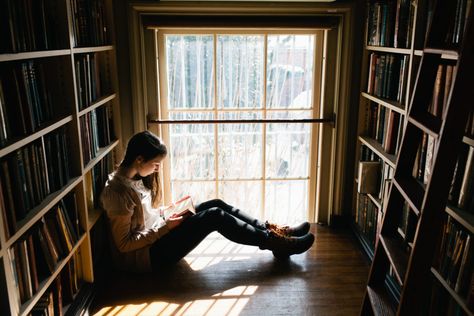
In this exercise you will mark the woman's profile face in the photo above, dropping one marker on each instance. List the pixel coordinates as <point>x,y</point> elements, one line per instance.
<point>145,168</point>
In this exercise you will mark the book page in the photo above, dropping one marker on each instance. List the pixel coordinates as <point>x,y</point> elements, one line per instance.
<point>181,207</point>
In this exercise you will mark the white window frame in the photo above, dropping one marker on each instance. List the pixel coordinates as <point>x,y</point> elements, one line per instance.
<point>316,102</point>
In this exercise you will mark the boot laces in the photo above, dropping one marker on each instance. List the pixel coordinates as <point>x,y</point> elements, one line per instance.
<point>282,231</point>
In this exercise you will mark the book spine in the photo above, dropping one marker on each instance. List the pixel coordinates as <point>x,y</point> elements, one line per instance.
<point>16,277</point>
<point>32,260</point>
<point>466,189</point>
<point>50,249</point>
<point>465,268</point>
<point>64,230</point>
<point>4,121</point>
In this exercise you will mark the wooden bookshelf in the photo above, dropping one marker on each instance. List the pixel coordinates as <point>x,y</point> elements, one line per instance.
<point>448,55</point>
<point>385,49</point>
<point>97,104</point>
<point>393,105</point>
<point>28,139</point>
<point>35,214</point>
<point>42,138</point>
<point>82,50</point>
<point>463,217</point>
<point>100,155</point>
<point>28,306</point>
<point>382,53</point>
<point>377,148</point>
<point>376,201</point>
<point>34,55</point>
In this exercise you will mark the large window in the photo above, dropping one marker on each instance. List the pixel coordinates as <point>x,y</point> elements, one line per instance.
<point>264,168</point>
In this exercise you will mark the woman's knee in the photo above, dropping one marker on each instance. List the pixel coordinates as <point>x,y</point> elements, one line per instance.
<point>211,204</point>
<point>213,215</point>
<point>219,203</point>
<point>215,212</point>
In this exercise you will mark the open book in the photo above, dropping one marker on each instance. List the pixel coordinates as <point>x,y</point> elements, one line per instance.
<point>182,207</point>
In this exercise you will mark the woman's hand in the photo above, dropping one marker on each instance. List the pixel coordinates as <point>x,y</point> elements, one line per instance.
<point>174,221</point>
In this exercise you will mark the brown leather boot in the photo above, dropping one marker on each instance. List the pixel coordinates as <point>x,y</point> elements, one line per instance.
<point>298,230</point>
<point>285,246</point>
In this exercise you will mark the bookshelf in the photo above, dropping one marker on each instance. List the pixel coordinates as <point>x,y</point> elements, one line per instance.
<point>391,61</point>
<point>59,130</point>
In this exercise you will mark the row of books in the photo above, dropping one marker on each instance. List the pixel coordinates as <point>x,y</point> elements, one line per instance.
<point>461,193</point>
<point>385,126</point>
<point>424,159</point>
<point>27,25</point>
<point>50,302</point>
<point>456,29</point>
<point>35,256</point>
<point>58,158</point>
<point>408,219</point>
<point>390,23</point>
<point>455,260</point>
<point>61,292</point>
<point>26,103</point>
<point>367,218</point>
<point>367,155</point>
<point>99,175</point>
<point>31,173</point>
<point>96,127</point>
<point>462,185</point>
<point>387,76</point>
<point>441,89</point>
<point>91,84</point>
<point>385,181</point>
<point>90,23</point>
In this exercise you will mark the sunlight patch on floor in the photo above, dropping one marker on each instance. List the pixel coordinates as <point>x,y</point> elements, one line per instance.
<point>215,249</point>
<point>229,302</point>
<point>211,251</point>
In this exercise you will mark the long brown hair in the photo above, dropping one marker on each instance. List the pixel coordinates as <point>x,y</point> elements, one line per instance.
<point>149,146</point>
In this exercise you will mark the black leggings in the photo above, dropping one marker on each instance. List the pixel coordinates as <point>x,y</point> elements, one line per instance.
<point>213,215</point>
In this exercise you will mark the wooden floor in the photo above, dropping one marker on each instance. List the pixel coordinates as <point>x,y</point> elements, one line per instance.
<point>223,278</point>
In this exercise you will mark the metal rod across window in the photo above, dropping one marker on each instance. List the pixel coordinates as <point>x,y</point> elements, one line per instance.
<point>234,121</point>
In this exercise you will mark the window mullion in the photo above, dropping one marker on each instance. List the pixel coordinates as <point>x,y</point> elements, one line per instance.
<point>216,126</point>
<point>264,127</point>
<point>183,76</point>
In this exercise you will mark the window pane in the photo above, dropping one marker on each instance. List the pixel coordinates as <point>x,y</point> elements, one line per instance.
<point>245,195</point>
<point>286,201</point>
<point>192,148</point>
<point>189,64</point>
<point>240,147</point>
<point>240,71</point>
<point>288,147</point>
<point>200,190</point>
<point>290,71</point>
